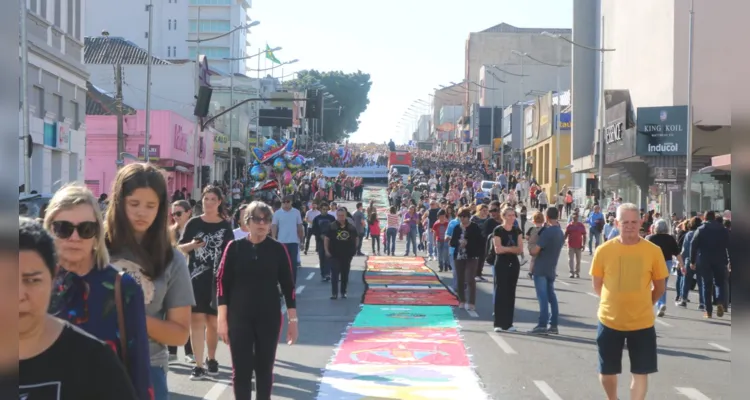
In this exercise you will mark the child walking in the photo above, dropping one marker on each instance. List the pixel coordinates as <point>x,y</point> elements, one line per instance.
<point>374,226</point>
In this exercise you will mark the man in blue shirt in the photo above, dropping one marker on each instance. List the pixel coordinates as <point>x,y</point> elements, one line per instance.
<point>448,233</point>
<point>547,252</point>
<point>596,227</point>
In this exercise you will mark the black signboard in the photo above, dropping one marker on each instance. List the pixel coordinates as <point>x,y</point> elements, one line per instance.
<point>619,141</point>
<point>662,131</point>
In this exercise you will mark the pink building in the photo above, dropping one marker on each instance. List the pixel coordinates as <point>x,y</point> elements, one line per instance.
<point>171,147</point>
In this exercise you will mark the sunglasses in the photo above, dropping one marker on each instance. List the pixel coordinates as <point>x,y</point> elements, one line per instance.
<point>260,220</point>
<point>65,229</point>
<point>178,214</point>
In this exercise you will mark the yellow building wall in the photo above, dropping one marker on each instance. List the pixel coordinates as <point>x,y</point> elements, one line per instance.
<point>544,163</point>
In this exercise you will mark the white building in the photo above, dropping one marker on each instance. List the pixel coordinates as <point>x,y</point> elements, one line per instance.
<point>174,23</point>
<point>56,94</point>
<point>423,127</point>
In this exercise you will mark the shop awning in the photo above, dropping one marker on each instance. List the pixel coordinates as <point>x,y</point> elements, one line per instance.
<point>719,164</point>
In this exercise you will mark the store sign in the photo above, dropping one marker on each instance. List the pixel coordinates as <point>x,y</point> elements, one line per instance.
<point>619,142</point>
<point>63,136</point>
<point>613,133</point>
<point>180,139</point>
<point>662,131</point>
<point>221,142</point>
<point>154,151</point>
<point>564,124</point>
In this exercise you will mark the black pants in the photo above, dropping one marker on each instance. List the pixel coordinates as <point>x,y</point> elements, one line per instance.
<point>506,279</point>
<point>188,348</point>
<point>340,267</point>
<point>252,344</point>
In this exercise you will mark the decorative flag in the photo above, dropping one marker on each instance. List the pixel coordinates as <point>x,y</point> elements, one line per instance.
<point>270,56</point>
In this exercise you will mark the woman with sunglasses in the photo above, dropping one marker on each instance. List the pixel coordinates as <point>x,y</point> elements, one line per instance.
<point>138,240</point>
<point>250,316</point>
<point>204,240</point>
<point>182,211</point>
<point>85,284</point>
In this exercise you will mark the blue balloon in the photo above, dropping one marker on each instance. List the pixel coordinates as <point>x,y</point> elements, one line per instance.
<point>295,163</point>
<point>279,165</point>
<point>258,173</point>
<point>269,144</point>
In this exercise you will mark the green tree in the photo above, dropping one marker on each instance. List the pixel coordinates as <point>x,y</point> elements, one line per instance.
<point>350,92</point>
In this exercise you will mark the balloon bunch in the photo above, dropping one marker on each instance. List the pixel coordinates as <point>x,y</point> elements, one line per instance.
<point>274,164</point>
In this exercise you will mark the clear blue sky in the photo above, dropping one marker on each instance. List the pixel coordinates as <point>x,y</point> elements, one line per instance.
<point>407,46</point>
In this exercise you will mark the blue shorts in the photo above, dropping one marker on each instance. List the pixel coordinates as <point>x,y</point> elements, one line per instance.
<point>641,349</point>
<point>159,382</point>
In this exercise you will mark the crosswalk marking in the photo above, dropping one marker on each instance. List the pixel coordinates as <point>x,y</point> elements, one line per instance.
<point>504,346</point>
<point>563,282</point>
<point>692,393</point>
<point>310,276</point>
<point>592,294</point>
<point>300,289</point>
<point>216,391</point>
<point>547,390</point>
<point>662,323</point>
<point>472,313</point>
<point>720,347</point>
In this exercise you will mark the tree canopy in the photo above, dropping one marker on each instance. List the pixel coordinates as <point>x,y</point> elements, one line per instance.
<point>350,91</point>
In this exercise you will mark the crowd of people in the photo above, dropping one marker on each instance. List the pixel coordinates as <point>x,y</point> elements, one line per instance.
<point>142,271</point>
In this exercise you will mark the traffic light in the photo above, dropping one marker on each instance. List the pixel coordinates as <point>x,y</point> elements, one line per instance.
<point>313,108</point>
<point>202,101</point>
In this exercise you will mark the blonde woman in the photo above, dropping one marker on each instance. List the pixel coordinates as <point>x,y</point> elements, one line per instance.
<point>85,284</point>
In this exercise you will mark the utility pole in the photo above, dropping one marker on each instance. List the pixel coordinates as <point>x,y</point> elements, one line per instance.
<point>26,137</point>
<point>146,148</point>
<point>603,106</point>
<point>196,128</point>
<point>689,154</point>
<point>118,107</point>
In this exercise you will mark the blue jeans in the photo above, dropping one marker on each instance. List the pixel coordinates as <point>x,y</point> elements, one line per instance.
<point>442,254</point>
<point>390,240</point>
<point>594,236</point>
<point>663,299</point>
<point>545,294</point>
<point>411,237</point>
<point>431,247</point>
<point>714,280</point>
<point>159,383</point>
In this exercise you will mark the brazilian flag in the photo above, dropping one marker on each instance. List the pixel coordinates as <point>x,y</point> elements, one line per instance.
<point>270,56</point>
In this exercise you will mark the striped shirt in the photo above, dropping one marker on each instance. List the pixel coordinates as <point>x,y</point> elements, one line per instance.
<point>393,221</point>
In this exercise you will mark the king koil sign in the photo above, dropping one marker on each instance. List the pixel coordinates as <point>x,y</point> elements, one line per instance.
<point>662,131</point>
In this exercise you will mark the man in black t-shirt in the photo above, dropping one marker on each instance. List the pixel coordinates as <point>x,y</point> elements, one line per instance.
<point>319,229</point>
<point>340,246</point>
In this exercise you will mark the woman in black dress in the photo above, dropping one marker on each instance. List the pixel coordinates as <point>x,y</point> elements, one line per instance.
<point>508,242</point>
<point>204,240</point>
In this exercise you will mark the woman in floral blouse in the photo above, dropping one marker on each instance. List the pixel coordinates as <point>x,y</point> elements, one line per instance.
<point>84,287</point>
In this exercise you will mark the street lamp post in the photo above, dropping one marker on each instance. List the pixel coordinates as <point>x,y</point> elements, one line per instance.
<point>148,81</point>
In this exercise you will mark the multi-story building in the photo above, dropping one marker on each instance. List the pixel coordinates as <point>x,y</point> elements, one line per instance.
<point>174,23</point>
<point>646,122</point>
<point>424,127</point>
<point>499,46</point>
<point>56,93</point>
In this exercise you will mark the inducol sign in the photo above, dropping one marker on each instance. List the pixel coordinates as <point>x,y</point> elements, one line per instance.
<point>662,131</point>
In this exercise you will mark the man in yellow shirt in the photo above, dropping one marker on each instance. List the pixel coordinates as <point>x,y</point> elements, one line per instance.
<point>629,276</point>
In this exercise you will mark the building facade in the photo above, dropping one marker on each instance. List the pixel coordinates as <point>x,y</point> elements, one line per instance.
<point>171,147</point>
<point>655,97</point>
<point>56,93</point>
<point>496,46</point>
<point>174,22</point>
<point>544,161</point>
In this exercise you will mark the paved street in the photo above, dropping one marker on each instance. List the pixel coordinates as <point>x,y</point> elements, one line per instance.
<point>694,354</point>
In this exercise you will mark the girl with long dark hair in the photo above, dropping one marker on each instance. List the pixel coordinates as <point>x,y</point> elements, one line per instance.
<point>138,239</point>
<point>204,240</point>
